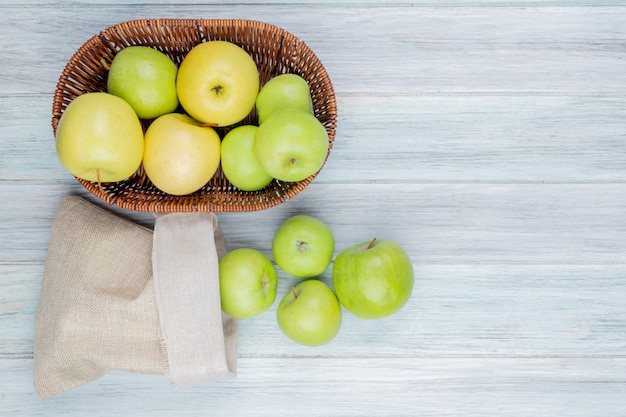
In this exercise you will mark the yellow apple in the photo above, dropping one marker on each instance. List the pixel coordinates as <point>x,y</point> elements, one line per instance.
<point>99,138</point>
<point>180,154</point>
<point>217,83</point>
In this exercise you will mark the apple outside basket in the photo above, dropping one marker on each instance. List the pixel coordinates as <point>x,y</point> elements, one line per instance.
<point>184,247</point>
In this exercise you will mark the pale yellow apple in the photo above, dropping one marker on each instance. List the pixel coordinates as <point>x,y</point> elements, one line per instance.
<point>217,83</point>
<point>99,138</point>
<point>180,154</point>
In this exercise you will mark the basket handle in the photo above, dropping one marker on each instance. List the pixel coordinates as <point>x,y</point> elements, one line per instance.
<point>197,336</point>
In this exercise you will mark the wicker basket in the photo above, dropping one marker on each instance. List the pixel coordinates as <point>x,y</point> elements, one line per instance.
<point>274,50</point>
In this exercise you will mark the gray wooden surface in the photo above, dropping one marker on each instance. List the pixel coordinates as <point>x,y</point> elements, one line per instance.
<point>487,137</point>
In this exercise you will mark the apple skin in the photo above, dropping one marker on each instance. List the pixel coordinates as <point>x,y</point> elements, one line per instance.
<point>303,246</point>
<point>239,163</point>
<point>373,279</point>
<point>99,138</point>
<point>180,155</point>
<point>310,313</point>
<point>247,283</point>
<point>291,145</point>
<point>146,79</point>
<point>284,91</point>
<point>218,83</point>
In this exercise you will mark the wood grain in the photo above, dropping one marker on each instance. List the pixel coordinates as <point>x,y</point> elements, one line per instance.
<point>543,311</point>
<point>492,138</point>
<point>437,223</point>
<point>326,386</point>
<point>393,52</point>
<point>487,137</point>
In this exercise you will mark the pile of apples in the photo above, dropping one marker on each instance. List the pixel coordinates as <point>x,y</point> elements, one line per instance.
<point>371,280</point>
<point>100,138</point>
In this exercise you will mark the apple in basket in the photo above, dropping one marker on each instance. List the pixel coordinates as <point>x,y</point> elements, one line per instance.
<point>247,283</point>
<point>146,79</point>
<point>291,145</point>
<point>99,138</point>
<point>181,155</point>
<point>303,246</point>
<point>373,279</point>
<point>284,91</point>
<point>218,83</point>
<point>239,163</point>
<point>310,313</point>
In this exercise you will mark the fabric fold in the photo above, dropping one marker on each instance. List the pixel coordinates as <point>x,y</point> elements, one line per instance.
<point>186,282</point>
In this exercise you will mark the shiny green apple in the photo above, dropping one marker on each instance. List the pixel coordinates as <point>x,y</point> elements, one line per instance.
<point>180,154</point>
<point>303,246</point>
<point>239,163</point>
<point>284,91</point>
<point>247,283</point>
<point>291,145</point>
<point>217,83</point>
<point>146,79</point>
<point>373,279</point>
<point>310,313</point>
<point>99,138</point>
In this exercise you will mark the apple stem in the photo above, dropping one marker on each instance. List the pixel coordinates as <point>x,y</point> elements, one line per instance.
<point>371,244</point>
<point>208,124</point>
<point>98,179</point>
<point>293,291</point>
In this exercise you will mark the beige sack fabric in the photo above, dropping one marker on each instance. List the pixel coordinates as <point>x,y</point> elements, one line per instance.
<point>186,282</point>
<point>97,308</point>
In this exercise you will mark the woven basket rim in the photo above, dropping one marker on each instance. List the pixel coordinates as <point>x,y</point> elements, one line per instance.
<point>84,72</point>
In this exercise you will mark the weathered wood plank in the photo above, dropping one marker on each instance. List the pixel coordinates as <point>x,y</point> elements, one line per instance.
<point>345,387</point>
<point>456,310</point>
<point>428,138</point>
<point>482,138</point>
<point>374,50</point>
<point>326,3</point>
<point>438,223</point>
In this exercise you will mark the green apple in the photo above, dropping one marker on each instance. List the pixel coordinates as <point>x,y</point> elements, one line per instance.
<point>218,83</point>
<point>284,91</point>
<point>181,155</point>
<point>291,145</point>
<point>99,138</point>
<point>247,283</point>
<point>373,279</point>
<point>239,163</point>
<point>310,313</point>
<point>146,79</point>
<point>303,246</point>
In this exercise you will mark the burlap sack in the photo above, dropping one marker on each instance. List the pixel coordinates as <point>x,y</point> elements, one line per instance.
<point>98,309</point>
